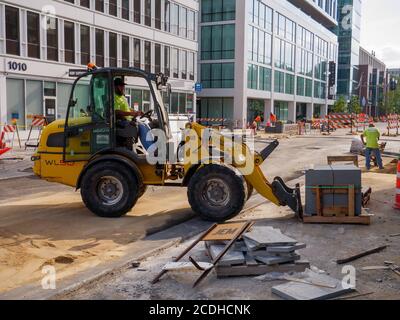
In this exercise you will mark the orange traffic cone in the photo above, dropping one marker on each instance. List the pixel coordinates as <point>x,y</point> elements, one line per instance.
<point>397,202</point>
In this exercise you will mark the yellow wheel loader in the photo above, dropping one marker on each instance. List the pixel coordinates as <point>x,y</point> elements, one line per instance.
<point>85,151</point>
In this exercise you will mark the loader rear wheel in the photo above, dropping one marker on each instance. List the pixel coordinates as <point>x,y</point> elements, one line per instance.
<point>217,192</point>
<point>110,190</point>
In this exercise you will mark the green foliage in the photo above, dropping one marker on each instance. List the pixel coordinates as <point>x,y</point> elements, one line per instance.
<point>392,103</point>
<point>340,105</point>
<point>354,105</point>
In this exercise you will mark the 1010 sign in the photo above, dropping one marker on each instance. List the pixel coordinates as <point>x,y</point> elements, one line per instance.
<point>17,66</point>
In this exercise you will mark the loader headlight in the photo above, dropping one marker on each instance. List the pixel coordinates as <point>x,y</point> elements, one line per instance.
<point>35,158</point>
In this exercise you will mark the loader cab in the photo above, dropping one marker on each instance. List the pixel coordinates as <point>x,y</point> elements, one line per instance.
<point>91,124</point>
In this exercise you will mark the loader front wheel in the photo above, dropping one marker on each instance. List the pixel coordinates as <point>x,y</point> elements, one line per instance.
<point>110,190</point>
<point>217,192</point>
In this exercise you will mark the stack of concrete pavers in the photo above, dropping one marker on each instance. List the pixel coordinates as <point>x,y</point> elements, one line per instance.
<point>263,247</point>
<point>271,247</point>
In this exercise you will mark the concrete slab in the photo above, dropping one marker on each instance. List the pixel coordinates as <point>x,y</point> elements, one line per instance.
<point>252,245</point>
<point>286,249</point>
<point>302,291</point>
<point>267,236</point>
<point>231,258</point>
<point>273,260</point>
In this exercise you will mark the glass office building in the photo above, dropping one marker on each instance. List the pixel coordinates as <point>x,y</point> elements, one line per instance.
<point>40,44</point>
<point>263,56</point>
<point>348,31</point>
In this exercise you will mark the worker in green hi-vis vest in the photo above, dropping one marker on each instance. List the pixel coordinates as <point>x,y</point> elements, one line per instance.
<point>126,117</point>
<point>372,136</point>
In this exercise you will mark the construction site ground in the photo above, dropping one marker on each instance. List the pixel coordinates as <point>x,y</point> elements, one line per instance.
<point>47,224</point>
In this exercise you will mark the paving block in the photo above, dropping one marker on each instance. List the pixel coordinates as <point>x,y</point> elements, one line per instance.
<point>252,245</point>
<point>303,291</point>
<point>273,260</point>
<point>267,236</point>
<point>231,258</point>
<point>286,249</point>
<point>320,175</point>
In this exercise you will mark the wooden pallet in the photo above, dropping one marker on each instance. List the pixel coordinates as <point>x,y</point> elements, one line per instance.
<point>337,215</point>
<point>332,160</point>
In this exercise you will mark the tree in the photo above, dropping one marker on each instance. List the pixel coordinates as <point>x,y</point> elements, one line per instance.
<point>340,105</point>
<point>392,103</point>
<point>354,105</point>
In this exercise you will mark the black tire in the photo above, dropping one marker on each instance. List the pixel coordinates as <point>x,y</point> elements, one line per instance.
<point>105,175</point>
<point>250,190</point>
<point>142,191</point>
<point>221,183</point>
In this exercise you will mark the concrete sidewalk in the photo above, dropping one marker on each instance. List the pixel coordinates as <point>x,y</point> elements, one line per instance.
<point>16,164</point>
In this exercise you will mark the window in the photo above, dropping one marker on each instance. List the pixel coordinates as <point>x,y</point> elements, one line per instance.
<point>125,52</point>
<point>125,9</point>
<point>137,11</point>
<point>99,48</point>
<point>183,22</point>
<point>191,27</point>
<point>33,25</point>
<point>191,64</point>
<point>218,42</point>
<point>167,61</point>
<point>136,53</point>
<point>157,57</point>
<point>12,31</point>
<point>167,12</point>
<point>218,10</point>
<point>289,84</point>
<point>147,12</point>
<point>279,85</point>
<point>157,18</point>
<point>175,63</point>
<point>147,56</point>
<point>218,75</point>
<point>100,5</point>
<point>113,49</point>
<point>85,45</point>
<point>265,79</point>
<point>174,22</point>
<point>69,42</point>
<point>252,76</point>
<point>112,7</point>
<point>52,39</point>
<point>85,3</point>
<point>183,61</point>
<point>300,86</point>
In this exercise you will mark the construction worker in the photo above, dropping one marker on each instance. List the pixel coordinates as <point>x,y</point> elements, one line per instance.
<point>372,136</point>
<point>128,129</point>
<point>121,105</point>
<point>273,119</point>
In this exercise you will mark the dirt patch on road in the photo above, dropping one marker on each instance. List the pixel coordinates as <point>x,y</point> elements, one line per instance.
<point>57,230</point>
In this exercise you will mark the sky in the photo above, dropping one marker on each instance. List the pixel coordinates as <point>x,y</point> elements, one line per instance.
<point>380,30</point>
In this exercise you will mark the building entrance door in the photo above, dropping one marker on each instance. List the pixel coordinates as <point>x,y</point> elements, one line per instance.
<point>50,109</point>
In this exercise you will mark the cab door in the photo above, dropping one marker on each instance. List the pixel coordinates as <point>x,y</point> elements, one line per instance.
<point>88,128</point>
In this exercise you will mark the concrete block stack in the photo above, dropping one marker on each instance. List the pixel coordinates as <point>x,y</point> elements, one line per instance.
<point>262,250</point>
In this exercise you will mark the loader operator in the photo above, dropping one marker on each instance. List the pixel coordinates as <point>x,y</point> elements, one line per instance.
<point>127,133</point>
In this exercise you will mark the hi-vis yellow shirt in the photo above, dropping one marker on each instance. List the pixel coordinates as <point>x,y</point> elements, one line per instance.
<point>372,135</point>
<point>120,103</point>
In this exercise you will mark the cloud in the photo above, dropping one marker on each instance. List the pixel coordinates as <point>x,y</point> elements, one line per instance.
<point>391,56</point>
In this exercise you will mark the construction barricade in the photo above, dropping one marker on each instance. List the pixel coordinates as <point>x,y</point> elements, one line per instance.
<point>38,122</point>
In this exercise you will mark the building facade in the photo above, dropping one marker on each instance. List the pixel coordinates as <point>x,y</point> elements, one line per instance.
<point>395,72</point>
<point>41,40</point>
<point>263,56</point>
<point>373,83</point>
<point>348,31</point>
